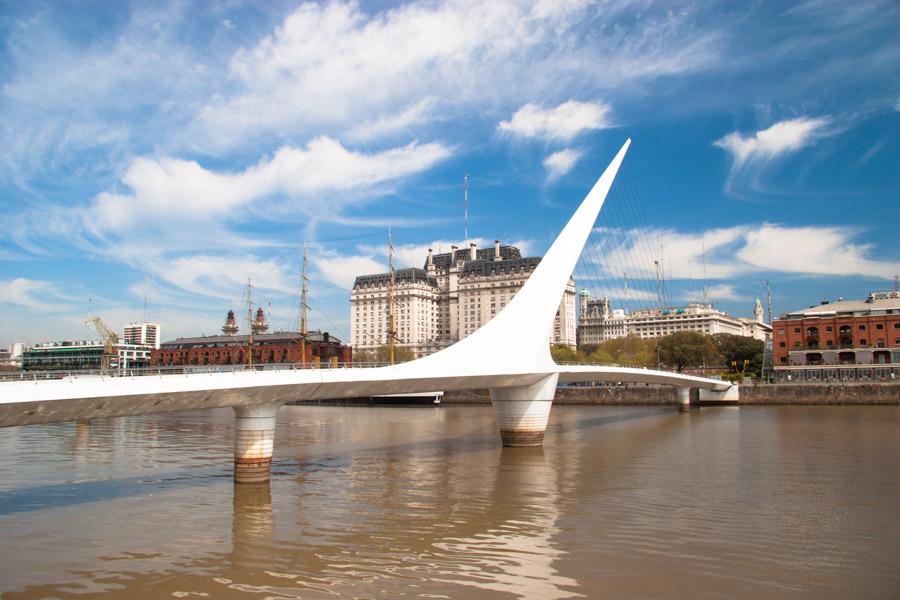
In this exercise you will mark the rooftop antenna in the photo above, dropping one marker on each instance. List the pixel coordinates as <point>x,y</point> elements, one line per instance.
<point>897,283</point>
<point>466,208</point>
<point>658,264</point>
<point>705,288</point>
<point>625,276</point>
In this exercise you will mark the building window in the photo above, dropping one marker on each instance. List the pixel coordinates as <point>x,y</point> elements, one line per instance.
<point>879,326</point>
<point>862,327</point>
<point>796,330</point>
<point>846,337</point>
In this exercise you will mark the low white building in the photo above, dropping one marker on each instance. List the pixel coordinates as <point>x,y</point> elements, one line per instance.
<point>598,323</point>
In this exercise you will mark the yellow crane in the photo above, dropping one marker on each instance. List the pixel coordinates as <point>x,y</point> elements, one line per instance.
<point>110,342</point>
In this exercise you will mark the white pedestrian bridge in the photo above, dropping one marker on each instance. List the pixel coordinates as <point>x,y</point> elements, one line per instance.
<point>509,356</point>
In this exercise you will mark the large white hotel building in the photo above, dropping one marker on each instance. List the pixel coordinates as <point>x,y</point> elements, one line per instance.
<point>453,295</point>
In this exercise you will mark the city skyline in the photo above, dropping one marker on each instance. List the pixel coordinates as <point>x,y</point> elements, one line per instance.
<point>164,153</point>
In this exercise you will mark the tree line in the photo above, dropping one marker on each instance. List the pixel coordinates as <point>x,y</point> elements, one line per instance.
<point>737,355</point>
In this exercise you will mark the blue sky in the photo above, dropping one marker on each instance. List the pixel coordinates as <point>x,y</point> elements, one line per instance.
<point>164,152</point>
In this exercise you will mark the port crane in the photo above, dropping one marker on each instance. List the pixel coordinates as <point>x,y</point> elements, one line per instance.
<point>110,342</point>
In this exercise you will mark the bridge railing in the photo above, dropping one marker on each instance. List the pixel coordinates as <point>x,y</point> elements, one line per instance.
<point>177,370</point>
<point>581,364</point>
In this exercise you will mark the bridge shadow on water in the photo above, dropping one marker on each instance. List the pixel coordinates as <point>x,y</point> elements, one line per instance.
<point>632,413</point>
<point>62,495</point>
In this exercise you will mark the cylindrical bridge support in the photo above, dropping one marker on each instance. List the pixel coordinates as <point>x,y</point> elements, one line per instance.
<point>684,399</point>
<point>254,441</point>
<point>522,412</point>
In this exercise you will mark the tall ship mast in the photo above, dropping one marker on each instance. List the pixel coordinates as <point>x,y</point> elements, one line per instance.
<point>249,323</point>
<point>303,307</point>
<point>391,333</point>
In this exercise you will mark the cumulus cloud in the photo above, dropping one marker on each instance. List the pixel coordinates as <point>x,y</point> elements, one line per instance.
<point>319,173</point>
<point>560,163</point>
<point>561,123</point>
<point>733,251</point>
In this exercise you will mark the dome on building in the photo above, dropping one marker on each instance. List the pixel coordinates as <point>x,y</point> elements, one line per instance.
<point>230,327</point>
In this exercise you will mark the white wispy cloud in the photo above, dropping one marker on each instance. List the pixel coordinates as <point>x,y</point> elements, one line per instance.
<point>343,270</point>
<point>560,163</point>
<point>414,255</point>
<point>327,65</point>
<point>220,275</point>
<point>751,153</point>
<point>561,123</point>
<point>714,293</point>
<point>733,251</point>
<point>39,296</point>
<point>614,292</point>
<point>781,138</point>
<point>418,113</point>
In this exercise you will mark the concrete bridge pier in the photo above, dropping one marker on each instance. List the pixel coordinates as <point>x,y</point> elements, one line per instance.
<point>522,412</point>
<point>254,442</point>
<point>684,399</point>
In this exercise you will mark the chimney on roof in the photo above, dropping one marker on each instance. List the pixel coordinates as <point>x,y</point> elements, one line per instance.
<point>472,252</point>
<point>496,249</point>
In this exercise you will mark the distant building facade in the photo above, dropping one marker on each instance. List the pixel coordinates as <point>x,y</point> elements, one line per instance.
<point>454,294</point>
<point>75,355</point>
<point>267,348</point>
<point>142,334</point>
<point>599,323</point>
<point>133,351</point>
<point>843,340</point>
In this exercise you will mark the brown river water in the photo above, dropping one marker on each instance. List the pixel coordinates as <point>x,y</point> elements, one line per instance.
<point>621,502</point>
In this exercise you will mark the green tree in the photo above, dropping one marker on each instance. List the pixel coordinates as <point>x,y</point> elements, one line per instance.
<point>564,354</point>
<point>735,349</point>
<point>629,351</point>
<point>382,355</point>
<point>687,349</point>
